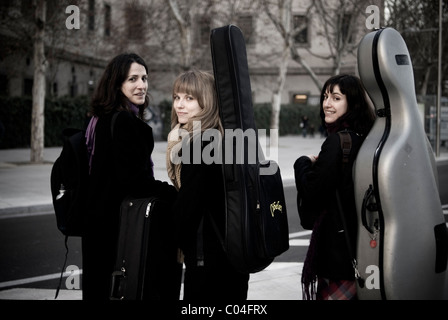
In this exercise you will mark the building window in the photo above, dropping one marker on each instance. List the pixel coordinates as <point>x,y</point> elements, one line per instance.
<point>346,28</point>
<point>4,84</point>
<point>300,24</point>
<point>27,8</point>
<point>300,98</point>
<point>91,15</point>
<point>55,89</point>
<point>204,30</point>
<point>107,20</point>
<point>134,17</point>
<point>28,87</point>
<point>73,85</point>
<point>245,23</point>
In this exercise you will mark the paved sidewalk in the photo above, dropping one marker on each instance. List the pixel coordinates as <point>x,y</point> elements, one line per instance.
<point>25,187</point>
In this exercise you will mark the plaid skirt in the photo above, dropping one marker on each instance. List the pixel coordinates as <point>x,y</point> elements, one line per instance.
<point>336,289</point>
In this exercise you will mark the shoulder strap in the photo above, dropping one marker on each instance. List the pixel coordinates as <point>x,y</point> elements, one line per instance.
<point>63,268</point>
<point>114,118</point>
<point>350,249</point>
<point>346,145</point>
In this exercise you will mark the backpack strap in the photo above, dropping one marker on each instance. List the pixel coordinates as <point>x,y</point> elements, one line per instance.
<point>346,145</point>
<point>112,124</point>
<point>63,268</point>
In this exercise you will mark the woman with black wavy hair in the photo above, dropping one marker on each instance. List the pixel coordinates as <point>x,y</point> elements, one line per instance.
<point>120,166</point>
<point>344,106</point>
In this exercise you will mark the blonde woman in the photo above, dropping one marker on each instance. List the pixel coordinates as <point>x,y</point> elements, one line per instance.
<point>199,208</point>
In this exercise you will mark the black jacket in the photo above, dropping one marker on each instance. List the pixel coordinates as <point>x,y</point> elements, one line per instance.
<point>200,219</point>
<point>316,194</point>
<point>121,167</point>
<point>201,195</point>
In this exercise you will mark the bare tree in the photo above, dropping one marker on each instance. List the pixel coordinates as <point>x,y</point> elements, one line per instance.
<point>280,16</point>
<point>417,21</point>
<point>337,27</point>
<point>27,29</point>
<point>185,30</point>
<point>190,17</point>
<point>40,67</point>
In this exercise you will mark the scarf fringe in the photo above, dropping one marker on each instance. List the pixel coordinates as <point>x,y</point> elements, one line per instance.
<point>309,289</point>
<point>309,275</point>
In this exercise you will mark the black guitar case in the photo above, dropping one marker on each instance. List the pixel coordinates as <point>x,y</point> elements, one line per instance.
<point>256,225</point>
<point>146,266</point>
<point>402,242</point>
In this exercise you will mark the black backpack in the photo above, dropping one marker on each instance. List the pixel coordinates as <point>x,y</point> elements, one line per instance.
<point>69,177</point>
<point>69,181</point>
<point>69,185</point>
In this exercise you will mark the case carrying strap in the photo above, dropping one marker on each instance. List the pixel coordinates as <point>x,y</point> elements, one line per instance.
<point>346,146</point>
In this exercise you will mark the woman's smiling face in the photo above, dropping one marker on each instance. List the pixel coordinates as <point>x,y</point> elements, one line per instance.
<point>135,85</point>
<point>334,105</point>
<point>186,106</point>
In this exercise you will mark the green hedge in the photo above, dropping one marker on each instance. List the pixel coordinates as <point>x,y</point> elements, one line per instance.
<point>60,113</point>
<point>63,112</point>
<point>290,117</point>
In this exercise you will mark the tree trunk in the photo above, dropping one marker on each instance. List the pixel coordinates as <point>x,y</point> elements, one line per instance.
<point>277,93</point>
<point>185,35</point>
<point>37,117</point>
<point>297,58</point>
<point>424,85</point>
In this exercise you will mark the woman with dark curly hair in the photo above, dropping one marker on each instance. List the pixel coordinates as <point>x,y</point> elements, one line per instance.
<point>321,179</point>
<point>120,166</point>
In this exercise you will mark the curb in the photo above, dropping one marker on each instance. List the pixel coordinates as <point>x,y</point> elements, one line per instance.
<point>48,208</point>
<point>40,208</point>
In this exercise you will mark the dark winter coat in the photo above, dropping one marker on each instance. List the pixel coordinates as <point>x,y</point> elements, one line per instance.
<point>121,167</point>
<point>200,212</point>
<point>316,186</point>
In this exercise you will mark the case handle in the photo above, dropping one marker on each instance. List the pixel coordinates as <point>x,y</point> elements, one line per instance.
<point>367,206</point>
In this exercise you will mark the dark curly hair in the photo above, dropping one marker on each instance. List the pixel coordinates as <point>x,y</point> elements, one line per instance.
<point>360,115</point>
<point>108,96</point>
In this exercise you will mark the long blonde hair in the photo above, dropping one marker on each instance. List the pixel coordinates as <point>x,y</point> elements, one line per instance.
<point>201,85</point>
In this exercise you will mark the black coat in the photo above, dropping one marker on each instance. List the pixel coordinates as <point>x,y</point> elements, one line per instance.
<point>200,219</point>
<point>201,195</point>
<point>121,167</point>
<point>316,186</point>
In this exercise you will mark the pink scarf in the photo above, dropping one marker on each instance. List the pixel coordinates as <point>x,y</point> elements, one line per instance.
<point>90,139</point>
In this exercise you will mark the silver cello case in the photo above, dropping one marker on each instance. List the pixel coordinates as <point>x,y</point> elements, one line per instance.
<point>402,243</point>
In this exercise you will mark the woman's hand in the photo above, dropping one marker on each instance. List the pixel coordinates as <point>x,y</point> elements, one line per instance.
<point>312,158</point>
